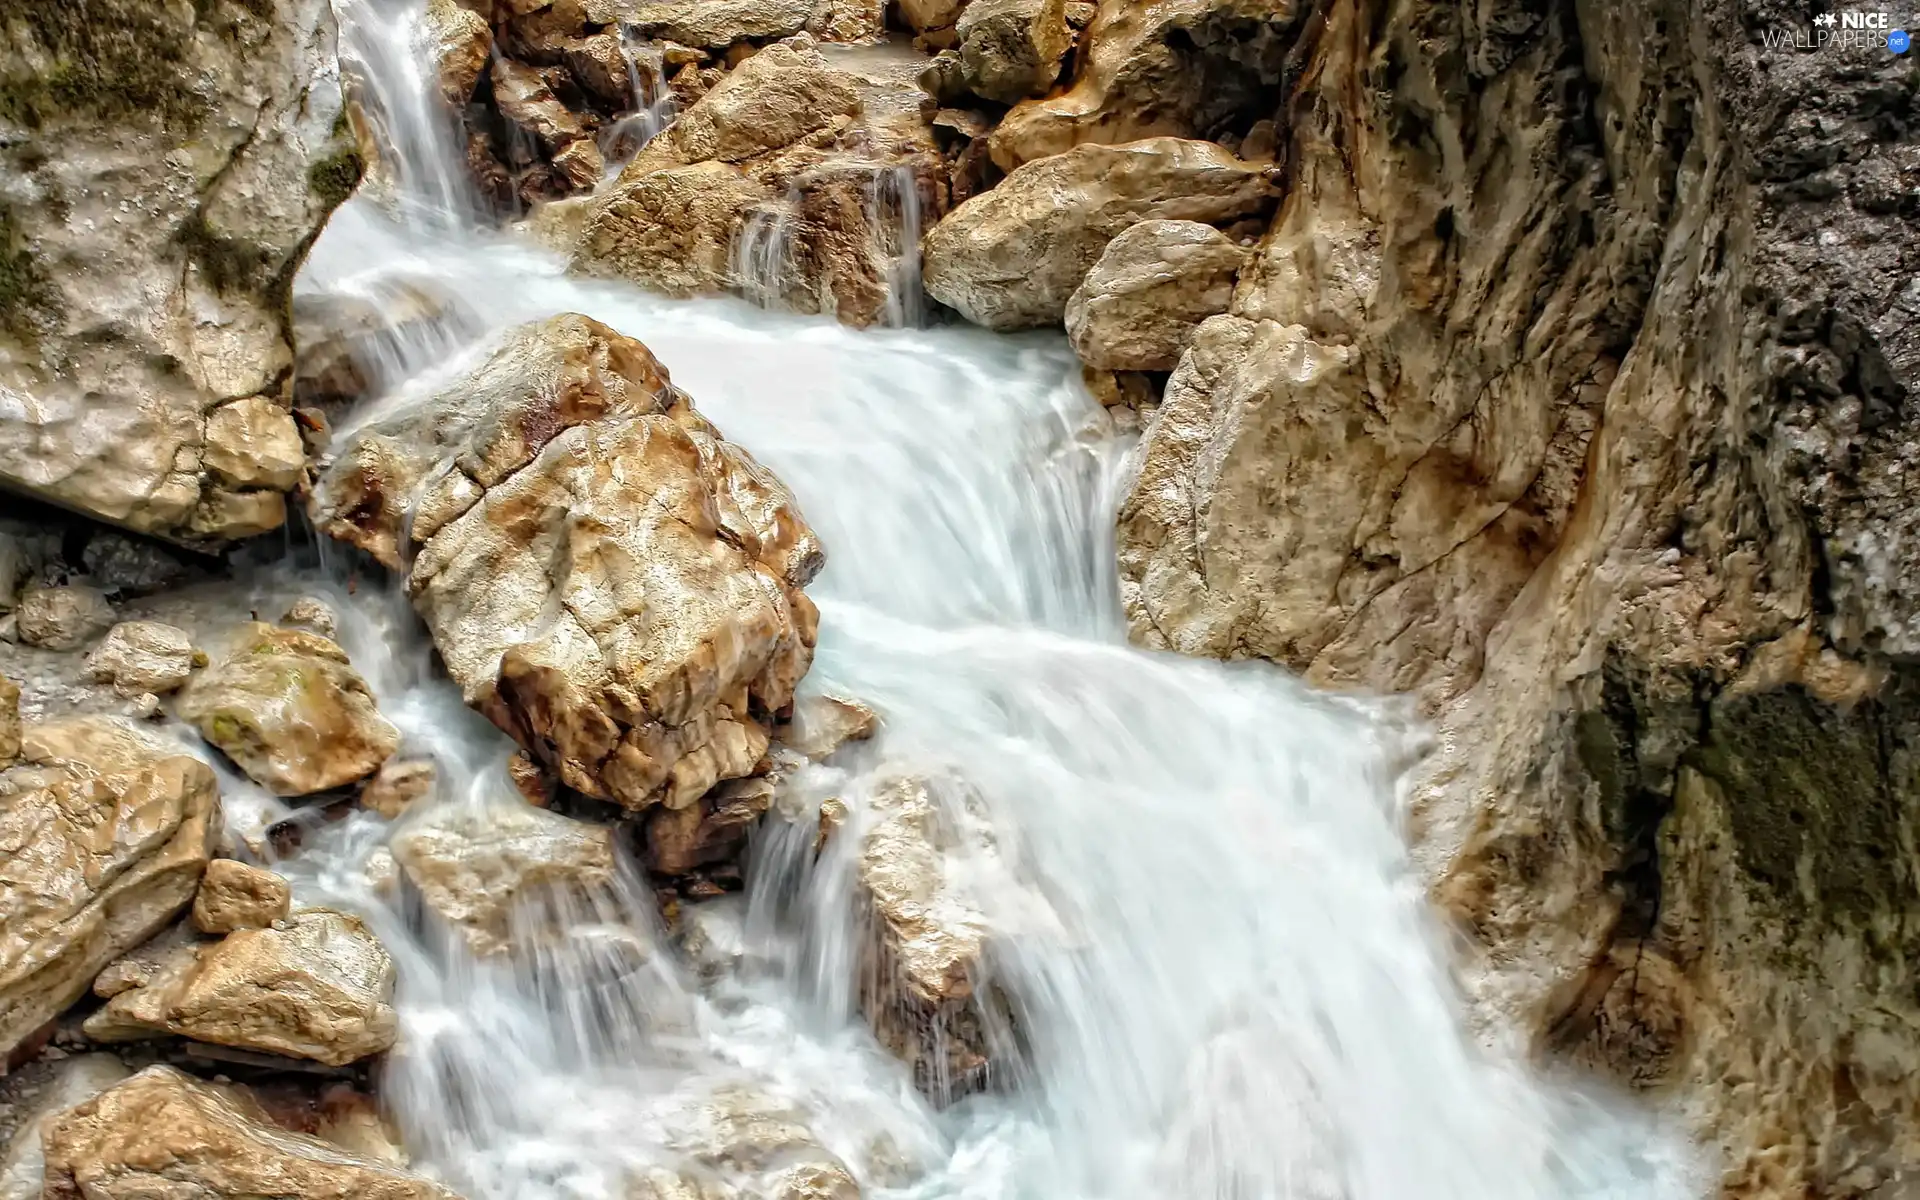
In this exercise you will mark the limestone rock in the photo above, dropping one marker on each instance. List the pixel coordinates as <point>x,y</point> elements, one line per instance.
<point>1153,286</point>
<point>78,1079</point>
<point>1011,258</point>
<point>104,851</point>
<point>717,24</point>
<point>312,615</point>
<point>751,1138</point>
<point>143,656</point>
<point>607,578</point>
<point>710,830</point>
<point>673,228</point>
<point>168,166</point>
<point>64,617</point>
<point>165,1133</point>
<point>822,724</point>
<point>481,872</point>
<point>348,344</point>
<point>318,986</point>
<point>1161,68</point>
<point>286,707</point>
<point>1011,49</point>
<point>397,785</point>
<point>459,45</point>
<point>234,896</point>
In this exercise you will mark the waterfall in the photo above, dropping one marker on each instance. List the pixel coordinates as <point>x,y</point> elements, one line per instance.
<point>762,257</point>
<point>1224,981</point>
<point>895,217</point>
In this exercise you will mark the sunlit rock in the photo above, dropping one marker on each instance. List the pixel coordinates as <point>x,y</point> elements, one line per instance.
<point>287,708</point>
<point>168,166</point>
<point>1152,287</point>
<point>1011,49</point>
<point>9,721</point>
<point>607,578</point>
<point>459,43</point>
<point>1012,257</point>
<point>143,656</point>
<point>164,1133</point>
<point>234,895</point>
<point>317,985</point>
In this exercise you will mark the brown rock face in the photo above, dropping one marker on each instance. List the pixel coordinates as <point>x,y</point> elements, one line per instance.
<point>1599,436</point>
<point>234,896</point>
<point>1153,286</point>
<point>1012,258</point>
<point>1011,49</point>
<point>461,44</point>
<point>106,834</point>
<point>607,578</point>
<point>149,355</point>
<point>163,1133</point>
<point>287,708</point>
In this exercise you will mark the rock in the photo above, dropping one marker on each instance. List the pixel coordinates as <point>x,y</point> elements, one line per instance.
<point>771,101</point>
<point>926,16</point>
<point>351,345</point>
<point>312,615</point>
<point>286,707</point>
<point>317,986</point>
<point>151,349</point>
<point>77,1080</point>
<point>1161,68</point>
<point>9,721</point>
<point>848,20</point>
<point>638,632</point>
<point>486,873</point>
<point>822,724</point>
<point>459,44</point>
<point>1011,49</point>
<point>123,566</point>
<point>717,24</point>
<point>1012,257</point>
<point>234,896</point>
<point>528,103</point>
<point>398,785</point>
<point>142,656</point>
<point>674,228</point>
<point>766,1144</point>
<point>105,851</point>
<point>165,1133</point>
<point>1153,286</point>
<point>533,784</point>
<point>64,617</point>
<point>712,829</point>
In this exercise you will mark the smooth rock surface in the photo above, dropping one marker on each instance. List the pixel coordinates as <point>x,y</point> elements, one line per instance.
<point>143,656</point>
<point>1153,286</point>
<point>234,895</point>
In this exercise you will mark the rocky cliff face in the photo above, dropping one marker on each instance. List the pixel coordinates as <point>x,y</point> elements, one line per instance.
<point>162,170</point>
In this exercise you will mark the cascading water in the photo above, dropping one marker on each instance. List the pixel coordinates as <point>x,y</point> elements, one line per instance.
<point>1226,982</point>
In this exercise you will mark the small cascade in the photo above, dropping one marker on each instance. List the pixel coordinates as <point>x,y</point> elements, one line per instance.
<point>763,264</point>
<point>894,216</point>
<point>654,106</point>
<point>419,167</point>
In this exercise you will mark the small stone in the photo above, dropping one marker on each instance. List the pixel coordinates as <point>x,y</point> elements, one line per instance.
<point>397,785</point>
<point>142,656</point>
<point>234,896</point>
<point>64,617</point>
<point>313,615</point>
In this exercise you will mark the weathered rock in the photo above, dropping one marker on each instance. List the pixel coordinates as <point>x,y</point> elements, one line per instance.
<point>673,229</point>
<point>608,579</point>
<point>124,566</point>
<point>848,20</point>
<point>535,786</point>
<point>234,896</point>
<point>9,721</point>
<point>750,1137</point>
<point>348,344</point>
<point>312,615</point>
<point>165,1133</point>
<point>1161,68</point>
<point>1153,286</point>
<point>822,724</point>
<point>143,656</point>
<point>1011,49</point>
<point>481,872</point>
<point>63,617</point>
<point>712,829</point>
<point>286,707</point>
<point>526,102</point>
<point>925,16</point>
<point>397,785</point>
<point>317,985</point>
<point>102,851</point>
<point>77,1080</point>
<point>167,167</point>
<point>459,44</point>
<point>717,24</point>
<point>1011,258</point>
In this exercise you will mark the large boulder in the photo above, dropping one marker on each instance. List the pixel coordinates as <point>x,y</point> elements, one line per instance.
<point>1011,49</point>
<point>143,656</point>
<point>287,708</point>
<point>107,830</point>
<point>165,167</point>
<point>235,895</point>
<point>608,579</point>
<point>1012,257</point>
<point>316,985</point>
<point>164,1133</point>
<point>717,24</point>
<point>1153,286</point>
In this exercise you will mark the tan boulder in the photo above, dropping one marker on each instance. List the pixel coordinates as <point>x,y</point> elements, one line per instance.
<point>1011,49</point>
<point>347,343</point>
<point>106,849</point>
<point>486,872</point>
<point>848,20</point>
<point>1012,257</point>
<point>927,16</point>
<point>287,708</point>
<point>459,44</point>
<point>1153,286</point>
<point>398,785</point>
<point>769,102</point>
<point>1160,68</point>
<point>64,617</point>
<point>9,721</point>
<point>169,180</point>
<point>234,895</point>
<point>717,24</point>
<point>143,656</point>
<point>673,229</point>
<point>318,985</point>
<point>164,1133</point>
<point>606,577</point>
<point>738,1137</point>
<point>76,1080</point>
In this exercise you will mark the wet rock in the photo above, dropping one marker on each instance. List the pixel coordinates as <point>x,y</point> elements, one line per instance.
<point>9,721</point>
<point>143,656</point>
<point>398,785</point>
<point>1153,286</point>
<point>459,44</point>
<point>1161,68</point>
<point>925,16</point>
<point>771,101</point>
<point>489,873</point>
<point>527,777</point>
<point>287,708</point>
<point>151,351</point>
<point>1013,257</point>
<point>822,724</point>
<point>312,615</point>
<point>76,1080</point>
<point>608,579</point>
<point>717,24</point>
<point>234,896</point>
<point>673,228</point>
<point>1011,49</point>
<point>711,830</point>
<point>64,617</point>
<point>107,839</point>
<point>317,985</point>
<point>528,103</point>
<point>749,1136</point>
<point>165,1133</point>
<point>347,343</point>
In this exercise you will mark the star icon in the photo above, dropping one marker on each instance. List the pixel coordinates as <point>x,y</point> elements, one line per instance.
<point>1827,19</point>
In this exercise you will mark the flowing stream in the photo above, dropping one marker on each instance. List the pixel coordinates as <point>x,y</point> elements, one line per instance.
<point>1226,979</point>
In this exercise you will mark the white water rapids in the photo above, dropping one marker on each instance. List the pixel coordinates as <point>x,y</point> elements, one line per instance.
<point>1227,981</point>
